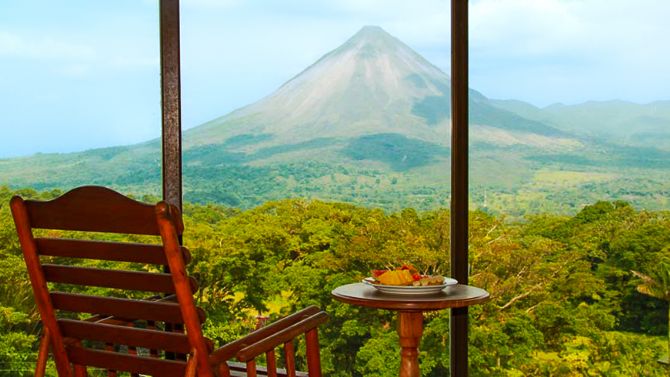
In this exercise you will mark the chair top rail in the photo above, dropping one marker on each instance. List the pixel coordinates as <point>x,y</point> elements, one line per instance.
<point>94,209</point>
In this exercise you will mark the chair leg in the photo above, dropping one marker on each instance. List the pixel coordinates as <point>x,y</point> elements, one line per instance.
<point>192,364</point>
<point>43,354</point>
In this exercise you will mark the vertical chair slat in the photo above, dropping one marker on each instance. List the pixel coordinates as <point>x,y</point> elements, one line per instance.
<point>289,351</point>
<point>251,368</point>
<point>272,363</point>
<point>313,359</point>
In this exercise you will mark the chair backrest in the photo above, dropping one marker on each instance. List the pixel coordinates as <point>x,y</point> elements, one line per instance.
<point>118,334</point>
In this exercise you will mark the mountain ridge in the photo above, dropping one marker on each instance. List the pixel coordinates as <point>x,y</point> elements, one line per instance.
<point>369,123</point>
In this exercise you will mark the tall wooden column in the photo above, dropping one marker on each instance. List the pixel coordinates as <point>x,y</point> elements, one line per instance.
<point>171,101</point>
<point>459,181</point>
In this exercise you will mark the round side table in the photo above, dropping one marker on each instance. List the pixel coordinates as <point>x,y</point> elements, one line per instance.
<point>410,310</point>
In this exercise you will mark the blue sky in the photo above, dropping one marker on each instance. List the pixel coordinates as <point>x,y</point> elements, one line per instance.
<point>79,74</point>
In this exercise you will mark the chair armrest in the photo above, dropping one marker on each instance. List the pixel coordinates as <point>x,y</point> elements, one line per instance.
<point>283,336</point>
<point>229,350</point>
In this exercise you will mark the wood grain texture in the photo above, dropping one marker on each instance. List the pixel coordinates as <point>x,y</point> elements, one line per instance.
<point>410,330</point>
<point>313,354</point>
<point>171,101</point>
<point>130,336</point>
<point>130,363</point>
<point>39,284</point>
<point>43,354</point>
<point>229,350</point>
<point>99,277</point>
<point>289,354</point>
<point>271,363</point>
<point>105,250</point>
<point>93,209</point>
<point>284,336</point>
<point>460,196</point>
<point>120,307</point>
<point>180,279</point>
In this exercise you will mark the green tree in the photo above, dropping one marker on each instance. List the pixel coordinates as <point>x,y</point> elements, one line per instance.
<point>657,284</point>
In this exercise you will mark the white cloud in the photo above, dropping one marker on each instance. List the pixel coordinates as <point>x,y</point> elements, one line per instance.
<point>210,4</point>
<point>42,47</point>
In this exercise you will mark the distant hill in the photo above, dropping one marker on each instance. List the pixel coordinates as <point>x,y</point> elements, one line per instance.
<point>369,123</point>
<point>622,122</point>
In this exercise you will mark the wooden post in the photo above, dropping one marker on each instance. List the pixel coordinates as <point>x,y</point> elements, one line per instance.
<point>410,329</point>
<point>171,101</point>
<point>459,181</point>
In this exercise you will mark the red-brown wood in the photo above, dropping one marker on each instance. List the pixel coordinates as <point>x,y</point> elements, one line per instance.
<point>410,329</point>
<point>153,352</point>
<point>105,250</point>
<point>183,290</point>
<point>271,363</point>
<point>313,355</point>
<point>80,370</point>
<point>39,284</point>
<point>289,354</point>
<point>230,350</point>
<point>192,365</point>
<point>282,336</point>
<point>119,307</point>
<point>110,372</point>
<point>99,277</point>
<point>251,368</point>
<point>125,362</point>
<point>43,354</point>
<point>93,209</point>
<point>130,336</point>
<point>114,320</point>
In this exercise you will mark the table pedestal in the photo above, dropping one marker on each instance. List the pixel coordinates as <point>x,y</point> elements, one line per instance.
<point>410,310</point>
<point>410,329</point>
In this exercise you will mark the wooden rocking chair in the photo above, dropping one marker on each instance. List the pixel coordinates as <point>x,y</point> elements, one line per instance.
<point>149,336</point>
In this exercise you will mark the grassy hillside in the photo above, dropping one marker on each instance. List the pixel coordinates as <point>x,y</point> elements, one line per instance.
<point>622,122</point>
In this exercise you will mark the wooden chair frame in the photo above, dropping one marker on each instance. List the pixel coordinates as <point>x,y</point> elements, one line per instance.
<point>97,209</point>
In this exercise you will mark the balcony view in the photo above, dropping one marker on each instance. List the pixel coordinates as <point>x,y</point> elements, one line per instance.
<point>317,152</point>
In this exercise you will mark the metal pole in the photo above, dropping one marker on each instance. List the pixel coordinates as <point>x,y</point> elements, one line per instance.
<point>459,181</point>
<point>171,101</point>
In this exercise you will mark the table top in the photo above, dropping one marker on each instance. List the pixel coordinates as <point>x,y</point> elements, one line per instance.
<point>455,296</point>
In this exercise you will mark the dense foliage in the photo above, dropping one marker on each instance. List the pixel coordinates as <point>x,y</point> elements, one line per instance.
<point>564,297</point>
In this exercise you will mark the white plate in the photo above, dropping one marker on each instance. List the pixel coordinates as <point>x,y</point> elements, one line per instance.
<point>410,289</point>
